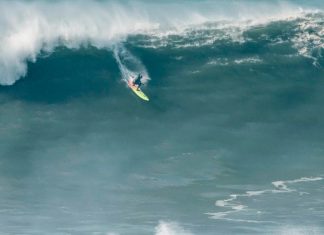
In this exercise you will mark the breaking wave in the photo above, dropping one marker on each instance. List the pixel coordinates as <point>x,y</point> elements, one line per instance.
<point>29,28</point>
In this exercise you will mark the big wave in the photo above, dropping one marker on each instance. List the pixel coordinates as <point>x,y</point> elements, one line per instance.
<point>28,28</point>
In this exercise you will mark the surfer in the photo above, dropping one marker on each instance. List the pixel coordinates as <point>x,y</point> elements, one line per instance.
<point>138,81</point>
<point>135,83</point>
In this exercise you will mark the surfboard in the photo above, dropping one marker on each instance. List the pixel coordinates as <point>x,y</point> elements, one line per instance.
<point>137,91</point>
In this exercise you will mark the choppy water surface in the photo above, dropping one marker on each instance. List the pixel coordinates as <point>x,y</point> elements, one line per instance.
<point>230,143</point>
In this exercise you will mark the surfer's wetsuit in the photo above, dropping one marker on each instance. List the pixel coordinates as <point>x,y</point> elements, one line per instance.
<point>138,81</point>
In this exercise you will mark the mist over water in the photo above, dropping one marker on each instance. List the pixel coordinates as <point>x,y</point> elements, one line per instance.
<point>29,28</point>
<point>231,141</point>
<point>130,66</point>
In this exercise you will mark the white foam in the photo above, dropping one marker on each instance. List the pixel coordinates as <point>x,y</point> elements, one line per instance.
<point>218,61</point>
<point>27,28</point>
<point>221,203</point>
<point>255,193</point>
<point>224,216</point>
<point>170,228</point>
<point>129,65</point>
<point>232,203</point>
<point>310,37</point>
<point>249,60</point>
<point>241,61</point>
<point>282,185</point>
<point>30,27</point>
<point>298,230</point>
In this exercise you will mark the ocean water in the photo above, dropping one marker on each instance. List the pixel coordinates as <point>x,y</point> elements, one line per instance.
<point>231,141</point>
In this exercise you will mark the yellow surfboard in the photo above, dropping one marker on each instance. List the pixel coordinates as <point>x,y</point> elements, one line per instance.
<point>137,91</point>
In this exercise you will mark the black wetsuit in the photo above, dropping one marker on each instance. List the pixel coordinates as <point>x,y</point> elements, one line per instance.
<point>138,81</point>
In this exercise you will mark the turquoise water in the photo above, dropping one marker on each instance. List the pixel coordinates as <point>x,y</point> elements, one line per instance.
<point>230,143</point>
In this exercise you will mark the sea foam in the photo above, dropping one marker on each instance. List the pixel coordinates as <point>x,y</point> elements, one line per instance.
<point>233,204</point>
<point>28,28</point>
<point>170,228</point>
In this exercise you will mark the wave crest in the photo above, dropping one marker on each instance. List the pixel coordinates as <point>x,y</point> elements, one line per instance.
<point>29,27</point>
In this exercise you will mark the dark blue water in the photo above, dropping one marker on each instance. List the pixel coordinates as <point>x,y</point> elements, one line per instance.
<point>231,141</point>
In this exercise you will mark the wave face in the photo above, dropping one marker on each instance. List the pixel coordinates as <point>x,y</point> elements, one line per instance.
<point>231,141</point>
<point>29,28</point>
<point>129,65</point>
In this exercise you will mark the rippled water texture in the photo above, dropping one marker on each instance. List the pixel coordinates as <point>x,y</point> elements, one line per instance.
<point>231,141</point>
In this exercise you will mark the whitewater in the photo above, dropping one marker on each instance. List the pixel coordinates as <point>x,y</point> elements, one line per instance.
<point>29,29</point>
<point>231,141</point>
